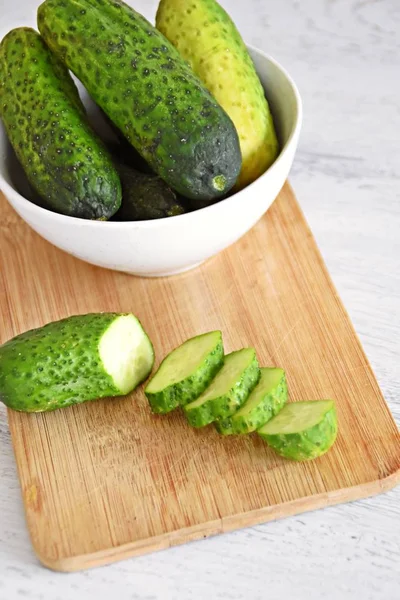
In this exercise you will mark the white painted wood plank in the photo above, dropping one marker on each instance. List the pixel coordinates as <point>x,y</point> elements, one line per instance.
<point>345,57</point>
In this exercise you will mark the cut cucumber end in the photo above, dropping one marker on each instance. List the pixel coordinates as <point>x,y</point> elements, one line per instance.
<point>126,353</point>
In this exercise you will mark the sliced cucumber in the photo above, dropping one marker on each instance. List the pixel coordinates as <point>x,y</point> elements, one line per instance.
<point>186,372</point>
<point>227,391</point>
<point>74,360</point>
<point>302,430</point>
<point>264,402</point>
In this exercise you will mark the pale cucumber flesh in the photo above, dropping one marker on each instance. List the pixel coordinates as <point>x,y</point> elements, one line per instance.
<point>183,361</point>
<point>297,417</point>
<point>126,353</point>
<point>186,372</point>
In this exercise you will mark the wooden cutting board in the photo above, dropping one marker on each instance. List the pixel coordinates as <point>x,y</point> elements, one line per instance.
<point>107,480</point>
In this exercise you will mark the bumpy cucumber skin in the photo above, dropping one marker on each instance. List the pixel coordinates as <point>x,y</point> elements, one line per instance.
<point>208,39</point>
<point>124,152</point>
<point>226,405</point>
<point>307,445</point>
<point>65,162</point>
<point>145,87</point>
<point>187,390</point>
<point>145,197</point>
<point>271,404</point>
<point>56,365</point>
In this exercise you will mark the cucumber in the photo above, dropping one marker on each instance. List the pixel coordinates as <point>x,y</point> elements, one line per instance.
<point>264,402</point>
<point>127,155</point>
<point>208,39</point>
<point>74,360</point>
<point>64,161</point>
<point>145,197</point>
<point>186,372</point>
<point>302,430</point>
<point>145,87</point>
<point>228,390</point>
<point>123,151</point>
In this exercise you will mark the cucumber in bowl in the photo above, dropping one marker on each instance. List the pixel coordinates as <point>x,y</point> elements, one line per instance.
<point>145,197</point>
<point>148,91</point>
<point>65,162</point>
<point>74,360</point>
<point>210,42</point>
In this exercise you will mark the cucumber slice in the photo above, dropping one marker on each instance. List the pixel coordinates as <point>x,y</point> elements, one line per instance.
<point>264,402</point>
<point>302,430</point>
<point>227,391</point>
<point>81,358</point>
<point>186,372</point>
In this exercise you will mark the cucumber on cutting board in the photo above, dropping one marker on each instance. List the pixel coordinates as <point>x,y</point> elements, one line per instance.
<point>186,372</point>
<point>264,402</point>
<point>302,430</point>
<point>149,92</point>
<point>208,39</point>
<point>228,390</point>
<point>64,161</point>
<point>74,360</point>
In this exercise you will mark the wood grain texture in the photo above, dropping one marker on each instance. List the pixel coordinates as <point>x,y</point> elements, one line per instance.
<point>107,480</point>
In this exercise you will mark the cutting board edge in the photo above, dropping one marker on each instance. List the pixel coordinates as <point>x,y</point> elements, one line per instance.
<point>182,536</point>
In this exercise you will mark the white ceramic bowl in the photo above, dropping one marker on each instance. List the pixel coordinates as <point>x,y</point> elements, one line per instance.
<point>174,244</point>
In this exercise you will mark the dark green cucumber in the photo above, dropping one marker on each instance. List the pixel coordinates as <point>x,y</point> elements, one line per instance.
<point>64,161</point>
<point>265,401</point>
<point>145,197</point>
<point>145,87</point>
<point>228,390</point>
<point>74,360</point>
<point>124,152</point>
<point>302,430</point>
<point>186,372</point>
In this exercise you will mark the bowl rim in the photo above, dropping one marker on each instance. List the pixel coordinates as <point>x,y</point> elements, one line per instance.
<point>60,218</point>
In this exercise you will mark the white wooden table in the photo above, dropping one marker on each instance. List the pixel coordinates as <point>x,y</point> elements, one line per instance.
<point>345,57</point>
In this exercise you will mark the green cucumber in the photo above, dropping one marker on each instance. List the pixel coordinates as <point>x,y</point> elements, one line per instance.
<point>74,360</point>
<point>149,92</point>
<point>65,162</point>
<point>302,430</point>
<point>264,402</point>
<point>186,372</point>
<point>123,151</point>
<point>145,197</point>
<point>208,39</point>
<point>228,390</point>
